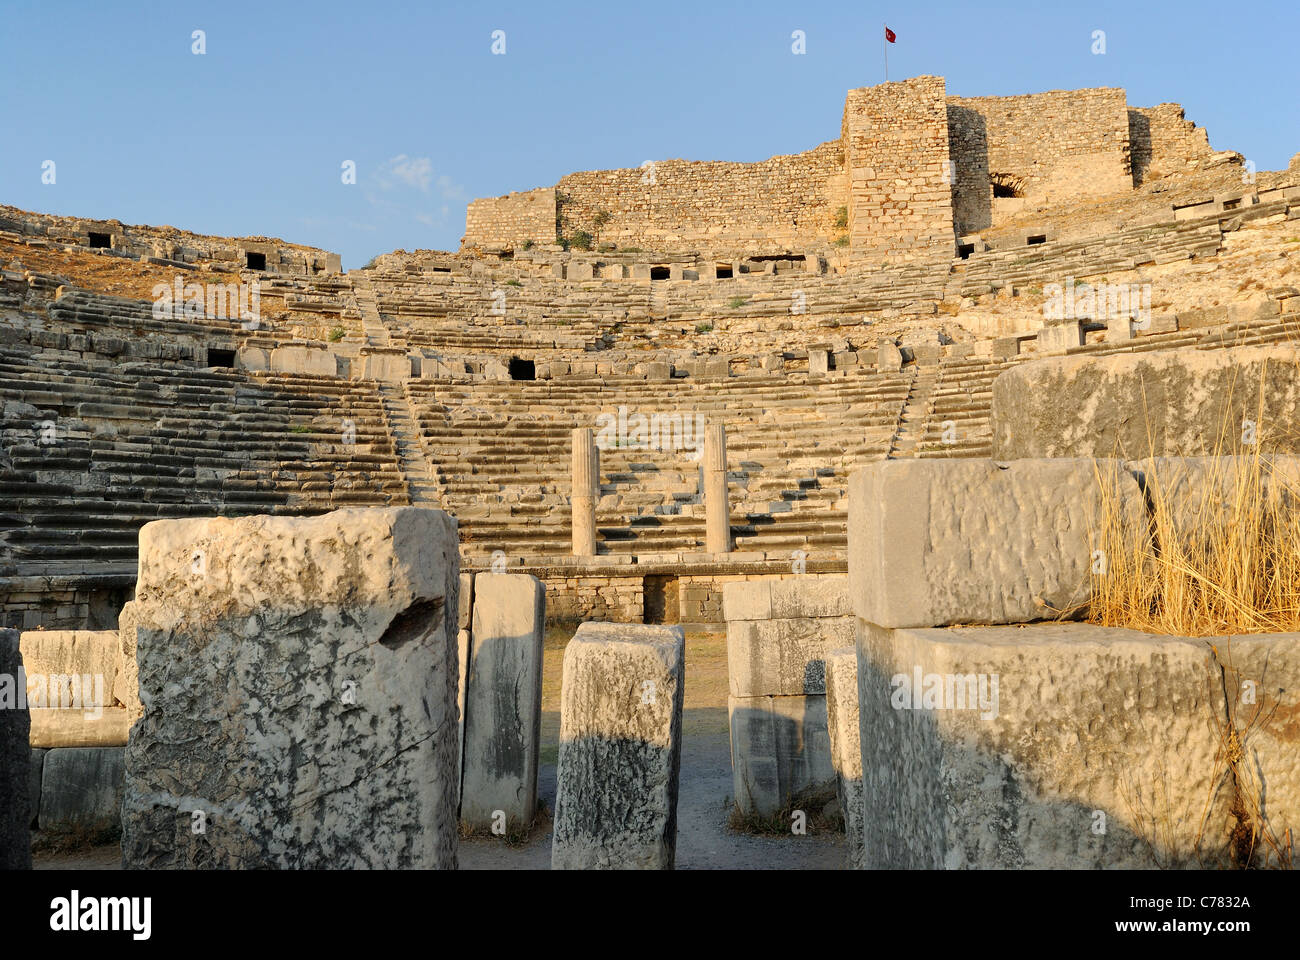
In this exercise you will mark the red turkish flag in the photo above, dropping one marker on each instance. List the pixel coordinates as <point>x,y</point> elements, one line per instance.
<point>890,35</point>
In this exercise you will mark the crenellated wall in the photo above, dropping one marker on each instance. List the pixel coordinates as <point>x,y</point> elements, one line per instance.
<point>1163,141</point>
<point>1049,148</point>
<point>912,170</point>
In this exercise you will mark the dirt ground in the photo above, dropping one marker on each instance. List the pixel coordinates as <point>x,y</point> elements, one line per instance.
<point>704,842</point>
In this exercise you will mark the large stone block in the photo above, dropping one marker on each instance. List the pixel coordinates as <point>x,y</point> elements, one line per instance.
<point>67,668</point>
<point>1162,403</point>
<point>782,657</point>
<point>1059,337</point>
<point>94,727</point>
<point>15,759</point>
<point>1053,745</point>
<point>300,358</point>
<point>1263,673</point>
<point>786,599</point>
<point>73,685</point>
<point>81,788</point>
<point>620,748</point>
<point>933,542</point>
<point>298,678</point>
<point>386,367</point>
<point>846,746</point>
<point>780,747</point>
<point>503,700</point>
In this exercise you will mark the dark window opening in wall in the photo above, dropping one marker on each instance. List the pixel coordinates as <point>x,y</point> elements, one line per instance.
<point>221,358</point>
<point>1033,241</point>
<point>255,261</point>
<point>763,258</point>
<point>101,241</point>
<point>724,271</point>
<point>964,250</point>
<point>1227,205</point>
<point>660,599</point>
<point>1006,185</point>
<point>659,273</point>
<point>522,369</point>
<point>441,269</point>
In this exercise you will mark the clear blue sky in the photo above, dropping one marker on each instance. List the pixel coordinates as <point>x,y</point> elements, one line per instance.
<point>248,138</point>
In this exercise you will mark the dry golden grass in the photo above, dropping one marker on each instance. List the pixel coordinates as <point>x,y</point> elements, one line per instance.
<point>1220,553</point>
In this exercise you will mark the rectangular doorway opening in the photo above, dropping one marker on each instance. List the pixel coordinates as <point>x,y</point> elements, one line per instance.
<point>660,273</point>
<point>660,599</point>
<point>724,271</point>
<point>522,369</point>
<point>101,241</point>
<point>1034,241</point>
<point>221,358</point>
<point>255,261</point>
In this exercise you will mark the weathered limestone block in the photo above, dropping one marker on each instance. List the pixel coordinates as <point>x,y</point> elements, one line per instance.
<point>1059,337</point>
<point>1162,403</point>
<point>818,363</point>
<point>846,746</point>
<point>386,367</point>
<point>127,689</point>
<point>1263,672</point>
<point>298,677</point>
<point>780,747</point>
<point>1053,745</point>
<point>503,701</point>
<point>296,358</point>
<point>81,788</point>
<point>15,759</point>
<point>77,727</point>
<point>889,359</point>
<point>782,657</point>
<point>933,542</point>
<point>1119,328</point>
<point>1006,347</point>
<point>804,596</point>
<point>620,748</point>
<point>67,668</point>
<point>74,687</point>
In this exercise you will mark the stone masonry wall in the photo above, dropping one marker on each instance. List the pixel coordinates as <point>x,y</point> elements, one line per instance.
<point>512,220</point>
<point>785,203</point>
<point>1163,141</point>
<point>170,244</point>
<point>1062,145</point>
<point>896,143</point>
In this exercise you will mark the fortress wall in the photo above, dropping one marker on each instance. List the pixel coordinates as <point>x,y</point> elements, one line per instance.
<point>783,204</point>
<point>896,140</point>
<point>1062,145</point>
<point>1163,140</point>
<point>512,220</point>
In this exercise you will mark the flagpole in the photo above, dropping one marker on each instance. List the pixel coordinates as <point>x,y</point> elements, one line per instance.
<point>884,45</point>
